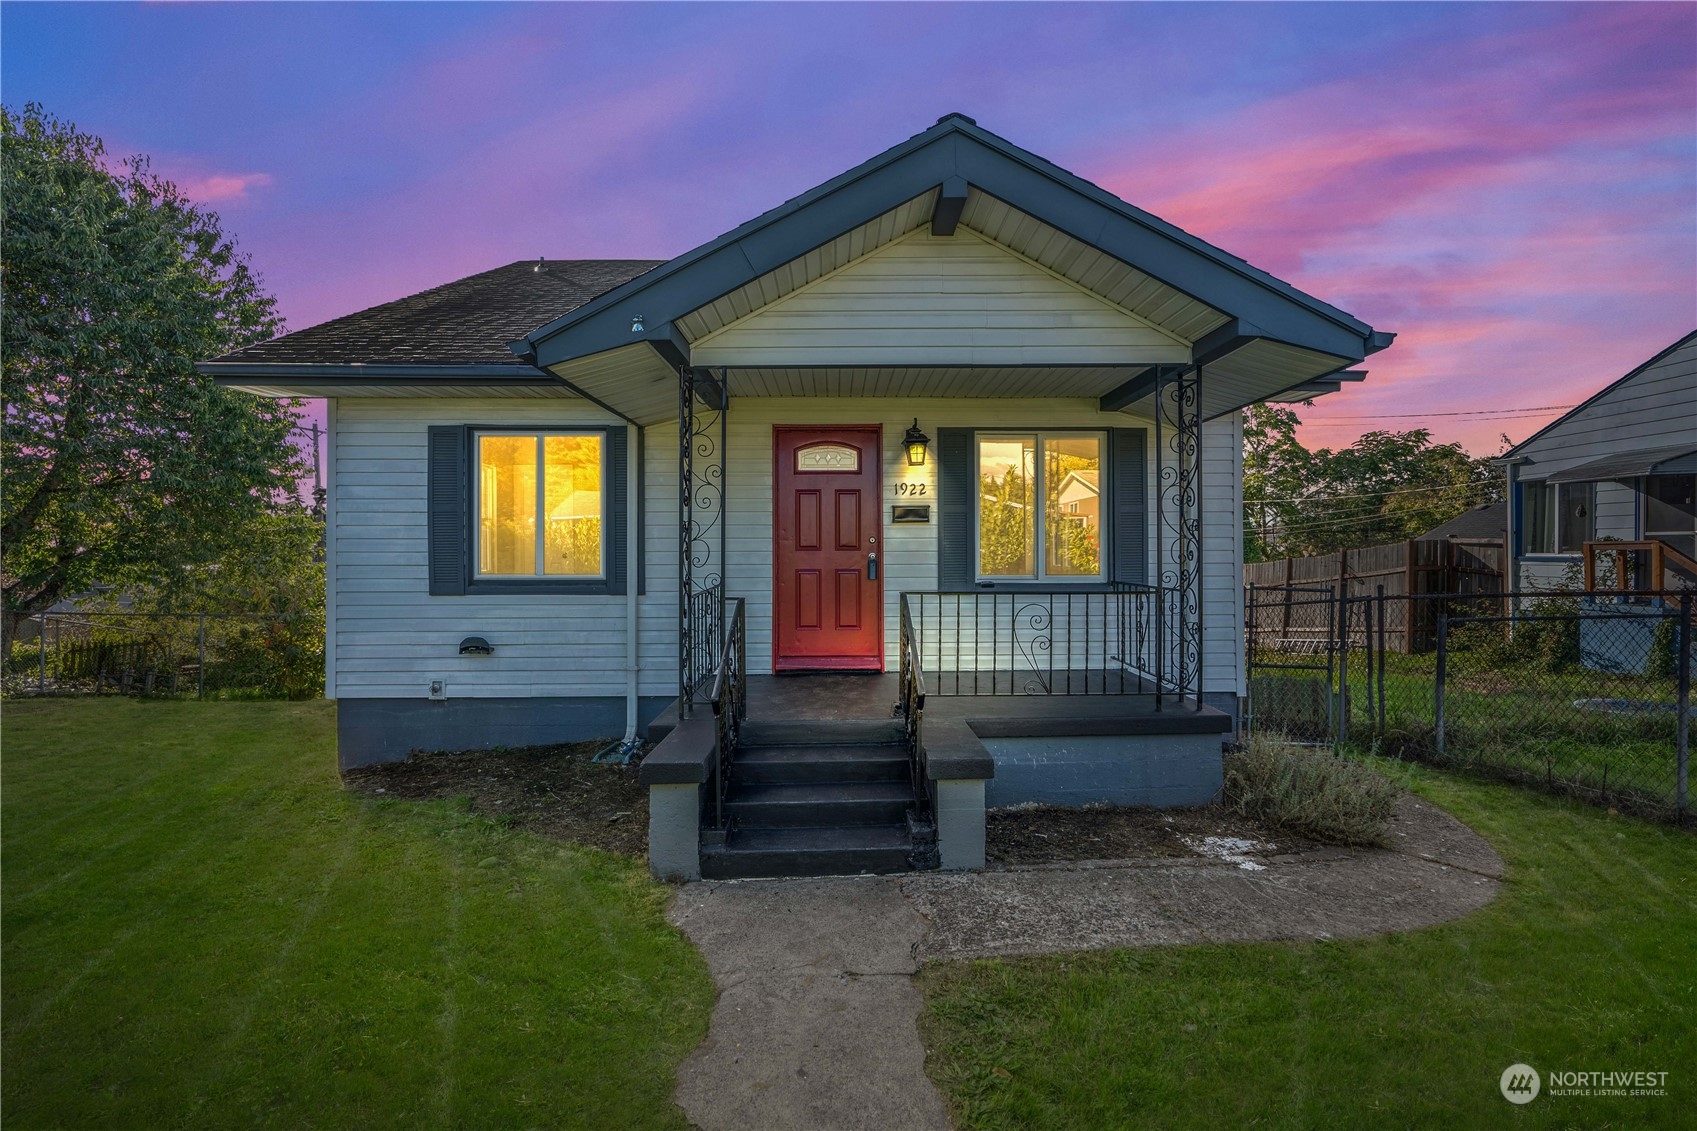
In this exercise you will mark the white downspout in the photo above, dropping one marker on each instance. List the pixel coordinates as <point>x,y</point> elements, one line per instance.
<point>633,570</point>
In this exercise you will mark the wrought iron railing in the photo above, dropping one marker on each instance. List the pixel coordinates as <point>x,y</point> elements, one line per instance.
<point>701,644</point>
<point>912,707</point>
<point>730,702</point>
<point>1039,642</point>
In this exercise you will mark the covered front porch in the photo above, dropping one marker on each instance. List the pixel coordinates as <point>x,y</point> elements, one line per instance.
<point>969,425</point>
<point>833,773</point>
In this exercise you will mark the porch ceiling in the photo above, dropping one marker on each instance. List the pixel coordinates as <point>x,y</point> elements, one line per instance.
<point>633,380</point>
<point>963,381</point>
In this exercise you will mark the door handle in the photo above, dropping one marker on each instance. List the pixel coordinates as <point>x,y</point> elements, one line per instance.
<point>872,567</point>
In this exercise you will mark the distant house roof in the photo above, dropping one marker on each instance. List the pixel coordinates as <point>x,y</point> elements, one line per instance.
<point>1519,450</point>
<point>1089,478</point>
<point>1487,520</point>
<point>466,322</point>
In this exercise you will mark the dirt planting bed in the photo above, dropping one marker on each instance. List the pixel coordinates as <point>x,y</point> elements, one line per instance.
<point>553,790</point>
<point>1044,834</point>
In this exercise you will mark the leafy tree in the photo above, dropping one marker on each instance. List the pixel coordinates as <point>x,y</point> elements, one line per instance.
<point>123,466</point>
<point>1385,487</point>
<point>1276,471</point>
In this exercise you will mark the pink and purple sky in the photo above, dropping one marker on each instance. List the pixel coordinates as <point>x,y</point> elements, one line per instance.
<point>1510,187</point>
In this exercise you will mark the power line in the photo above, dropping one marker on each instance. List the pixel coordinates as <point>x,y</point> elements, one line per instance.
<point>1497,413</point>
<point>1329,523</point>
<point>1319,498</point>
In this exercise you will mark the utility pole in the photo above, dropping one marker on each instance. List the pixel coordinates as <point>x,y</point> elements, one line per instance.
<point>317,475</point>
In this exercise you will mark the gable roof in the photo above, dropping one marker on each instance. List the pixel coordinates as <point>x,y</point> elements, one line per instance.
<point>467,322</point>
<point>957,153</point>
<point>1576,410</point>
<point>615,331</point>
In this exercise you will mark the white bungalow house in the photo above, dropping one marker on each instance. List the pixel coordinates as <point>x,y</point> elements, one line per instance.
<point>916,494</point>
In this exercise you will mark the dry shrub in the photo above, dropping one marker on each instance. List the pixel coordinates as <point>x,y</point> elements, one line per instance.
<point>1309,791</point>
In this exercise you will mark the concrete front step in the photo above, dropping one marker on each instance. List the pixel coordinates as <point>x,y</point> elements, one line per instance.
<point>771,805</point>
<point>800,765</point>
<point>751,853</point>
<point>820,732</point>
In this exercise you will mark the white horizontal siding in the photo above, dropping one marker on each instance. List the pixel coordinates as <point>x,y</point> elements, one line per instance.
<point>390,637</point>
<point>1617,511</point>
<point>909,557</point>
<point>928,300</point>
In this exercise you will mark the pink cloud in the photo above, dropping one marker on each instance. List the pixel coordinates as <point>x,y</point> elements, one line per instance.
<point>214,187</point>
<point>1513,208</point>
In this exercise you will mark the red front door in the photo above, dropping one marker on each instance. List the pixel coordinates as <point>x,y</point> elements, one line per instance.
<point>828,608</point>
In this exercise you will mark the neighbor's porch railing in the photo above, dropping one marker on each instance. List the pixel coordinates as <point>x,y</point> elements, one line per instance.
<point>1104,641</point>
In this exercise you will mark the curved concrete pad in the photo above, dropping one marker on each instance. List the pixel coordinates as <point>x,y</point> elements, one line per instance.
<point>815,1023</point>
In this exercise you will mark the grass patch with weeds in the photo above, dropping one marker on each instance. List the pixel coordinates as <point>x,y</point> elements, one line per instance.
<point>203,928</point>
<point>1586,961</point>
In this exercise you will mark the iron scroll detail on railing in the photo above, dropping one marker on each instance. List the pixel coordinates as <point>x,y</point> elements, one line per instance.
<point>701,514</point>
<point>912,708</point>
<point>730,702</point>
<point>1100,641</point>
<point>1178,510</point>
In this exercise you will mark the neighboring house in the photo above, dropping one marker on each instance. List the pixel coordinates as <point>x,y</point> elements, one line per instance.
<point>569,498</point>
<point>1620,467</point>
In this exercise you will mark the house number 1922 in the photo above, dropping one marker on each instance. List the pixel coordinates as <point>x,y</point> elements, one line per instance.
<point>910,489</point>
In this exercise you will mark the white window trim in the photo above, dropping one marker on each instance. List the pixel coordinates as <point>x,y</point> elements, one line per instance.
<point>540,435</point>
<point>1038,477</point>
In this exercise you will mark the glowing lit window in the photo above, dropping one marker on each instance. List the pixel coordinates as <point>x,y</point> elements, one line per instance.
<point>1039,506</point>
<point>540,505</point>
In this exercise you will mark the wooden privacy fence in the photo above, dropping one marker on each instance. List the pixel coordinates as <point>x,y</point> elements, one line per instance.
<point>1285,615</point>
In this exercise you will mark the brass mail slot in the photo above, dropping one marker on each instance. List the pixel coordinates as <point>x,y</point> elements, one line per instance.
<point>910,512</point>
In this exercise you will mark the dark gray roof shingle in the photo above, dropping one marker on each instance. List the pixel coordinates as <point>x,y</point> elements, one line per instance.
<point>1487,520</point>
<point>466,322</point>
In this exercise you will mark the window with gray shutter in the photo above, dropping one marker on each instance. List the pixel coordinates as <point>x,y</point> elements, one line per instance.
<point>1129,502</point>
<point>449,509</point>
<point>956,497</point>
<point>1125,509</point>
<point>451,486</point>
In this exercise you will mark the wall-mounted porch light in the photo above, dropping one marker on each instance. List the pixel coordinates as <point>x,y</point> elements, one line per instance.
<point>636,324</point>
<point>915,442</point>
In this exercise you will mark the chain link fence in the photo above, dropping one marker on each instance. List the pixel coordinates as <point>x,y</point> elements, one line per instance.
<point>186,655</point>
<point>1581,693</point>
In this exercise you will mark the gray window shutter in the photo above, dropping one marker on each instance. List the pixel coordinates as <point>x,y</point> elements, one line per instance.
<point>1129,499</point>
<point>955,496</point>
<point>618,499</point>
<point>449,508</point>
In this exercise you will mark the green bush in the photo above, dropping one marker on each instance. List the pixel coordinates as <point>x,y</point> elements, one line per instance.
<point>278,658</point>
<point>1312,792</point>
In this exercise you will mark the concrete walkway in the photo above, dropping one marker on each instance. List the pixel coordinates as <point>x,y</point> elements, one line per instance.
<point>815,1023</point>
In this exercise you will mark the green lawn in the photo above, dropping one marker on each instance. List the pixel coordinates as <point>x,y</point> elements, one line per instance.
<point>1586,962</point>
<point>202,929</point>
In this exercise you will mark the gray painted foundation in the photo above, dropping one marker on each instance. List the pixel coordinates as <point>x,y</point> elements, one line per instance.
<point>674,831</point>
<point>387,730</point>
<point>1161,770</point>
<point>960,824</point>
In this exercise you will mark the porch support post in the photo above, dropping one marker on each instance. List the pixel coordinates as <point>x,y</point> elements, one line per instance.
<point>1178,523</point>
<point>1160,543</point>
<point>686,535</point>
<point>724,498</point>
